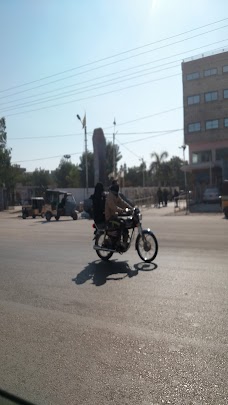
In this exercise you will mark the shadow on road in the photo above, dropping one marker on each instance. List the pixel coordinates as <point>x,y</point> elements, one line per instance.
<point>53,221</point>
<point>101,272</point>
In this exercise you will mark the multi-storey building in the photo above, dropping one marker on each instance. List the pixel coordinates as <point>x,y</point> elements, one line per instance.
<point>205,94</point>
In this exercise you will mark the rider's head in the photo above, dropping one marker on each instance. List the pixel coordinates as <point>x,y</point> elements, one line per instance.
<point>99,188</point>
<point>114,188</point>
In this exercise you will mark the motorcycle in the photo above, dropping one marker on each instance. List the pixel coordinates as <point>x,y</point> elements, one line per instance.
<point>109,240</point>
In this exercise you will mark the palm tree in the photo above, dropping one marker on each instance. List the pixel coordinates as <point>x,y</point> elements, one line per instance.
<point>158,168</point>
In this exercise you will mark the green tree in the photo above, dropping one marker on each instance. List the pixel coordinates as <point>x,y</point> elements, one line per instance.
<point>82,166</point>
<point>109,158</point>
<point>41,179</point>
<point>132,177</point>
<point>176,174</point>
<point>8,174</point>
<point>159,168</point>
<point>13,176</point>
<point>5,154</point>
<point>3,133</point>
<point>74,177</point>
<point>67,174</point>
<point>26,179</point>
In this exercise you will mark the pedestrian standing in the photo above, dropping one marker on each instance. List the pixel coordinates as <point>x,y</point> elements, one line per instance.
<point>160,197</point>
<point>165,197</point>
<point>176,198</point>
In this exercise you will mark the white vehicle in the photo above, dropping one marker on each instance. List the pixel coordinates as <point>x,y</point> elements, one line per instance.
<point>211,194</point>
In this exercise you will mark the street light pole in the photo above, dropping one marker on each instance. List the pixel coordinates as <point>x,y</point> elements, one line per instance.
<point>183,147</point>
<point>143,172</point>
<point>86,152</point>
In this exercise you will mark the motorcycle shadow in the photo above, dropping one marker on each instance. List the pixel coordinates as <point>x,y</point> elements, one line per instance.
<point>101,272</point>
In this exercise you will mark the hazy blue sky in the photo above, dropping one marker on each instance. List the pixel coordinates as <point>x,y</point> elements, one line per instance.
<point>47,37</point>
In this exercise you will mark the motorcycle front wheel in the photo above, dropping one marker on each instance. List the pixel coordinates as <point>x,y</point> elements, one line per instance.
<point>100,241</point>
<point>147,246</point>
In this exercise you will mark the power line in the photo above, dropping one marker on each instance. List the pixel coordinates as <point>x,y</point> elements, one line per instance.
<point>122,144</point>
<point>148,132</point>
<point>95,78</point>
<point>91,133</point>
<point>54,97</point>
<point>87,88</point>
<point>90,87</point>
<point>89,97</point>
<point>153,136</point>
<point>119,124</point>
<point>122,53</point>
<point>43,137</point>
<point>147,116</point>
<point>129,68</point>
<point>142,139</point>
<point>49,99</point>
<point>45,158</point>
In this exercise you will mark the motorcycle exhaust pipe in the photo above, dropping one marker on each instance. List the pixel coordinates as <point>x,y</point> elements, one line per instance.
<point>96,247</point>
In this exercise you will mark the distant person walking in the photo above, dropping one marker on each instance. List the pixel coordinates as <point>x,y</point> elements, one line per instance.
<point>165,197</point>
<point>159,197</point>
<point>176,198</point>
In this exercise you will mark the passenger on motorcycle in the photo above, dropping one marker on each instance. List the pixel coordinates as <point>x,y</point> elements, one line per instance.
<point>115,205</point>
<point>98,200</point>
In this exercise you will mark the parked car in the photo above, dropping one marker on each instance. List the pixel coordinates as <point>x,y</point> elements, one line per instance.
<point>211,195</point>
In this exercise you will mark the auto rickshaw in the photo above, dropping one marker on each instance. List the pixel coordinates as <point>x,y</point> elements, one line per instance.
<point>224,197</point>
<point>33,208</point>
<point>59,203</point>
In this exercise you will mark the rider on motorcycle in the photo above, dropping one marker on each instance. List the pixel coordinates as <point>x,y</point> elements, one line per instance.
<point>115,205</point>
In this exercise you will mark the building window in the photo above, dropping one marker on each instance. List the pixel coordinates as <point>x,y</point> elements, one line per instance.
<point>225,69</point>
<point>212,124</point>
<point>210,72</point>
<point>211,96</point>
<point>193,100</point>
<point>202,156</point>
<point>225,93</point>
<point>221,153</point>
<point>194,127</point>
<point>226,122</point>
<point>193,76</point>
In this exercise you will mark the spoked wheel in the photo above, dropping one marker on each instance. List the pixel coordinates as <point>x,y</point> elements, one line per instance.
<point>147,246</point>
<point>100,241</point>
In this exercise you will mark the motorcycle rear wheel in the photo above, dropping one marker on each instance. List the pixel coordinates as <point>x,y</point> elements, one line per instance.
<point>100,241</point>
<point>147,246</point>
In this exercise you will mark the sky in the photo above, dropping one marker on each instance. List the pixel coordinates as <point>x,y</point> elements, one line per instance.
<point>109,59</point>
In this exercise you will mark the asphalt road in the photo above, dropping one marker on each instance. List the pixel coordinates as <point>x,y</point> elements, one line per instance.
<point>76,331</point>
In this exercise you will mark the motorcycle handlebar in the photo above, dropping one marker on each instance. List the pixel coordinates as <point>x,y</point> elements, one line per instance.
<point>128,211</point>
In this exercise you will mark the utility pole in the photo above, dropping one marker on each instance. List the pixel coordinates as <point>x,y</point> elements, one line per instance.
<point>86,152</point>
<point>143,171</point>
<point>114,150</point>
